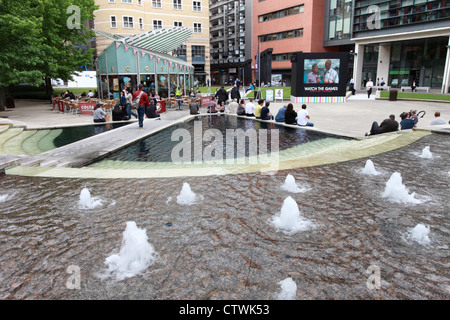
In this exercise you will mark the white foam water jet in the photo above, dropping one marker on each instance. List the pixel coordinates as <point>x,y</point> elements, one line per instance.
<point>86,201</point>
<point>369,168</point>
<point>4,197</point>
<point>186,196</point>
<point>288,289</point>
<point>420,234</point>
<point>289,220</point>
<point>396,191</point>
<point>426,153</point>
<point>135,256</point>
<point>291,186</point>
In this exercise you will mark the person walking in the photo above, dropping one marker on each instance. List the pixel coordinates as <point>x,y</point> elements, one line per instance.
<point>128,103</point>
<point>141,99</point>
<point>369,86</point>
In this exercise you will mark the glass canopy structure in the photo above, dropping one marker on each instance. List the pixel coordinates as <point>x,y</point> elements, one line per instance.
<point>144,58</point>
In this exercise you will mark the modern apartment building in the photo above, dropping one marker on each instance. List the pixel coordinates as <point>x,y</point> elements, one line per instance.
<point>128,17</point>
<point>282,27</point>
<point>230,37</point>
<point>399,41</point>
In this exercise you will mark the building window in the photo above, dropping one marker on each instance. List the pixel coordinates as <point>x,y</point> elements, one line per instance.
<point>128,22</point>
<point>141,23</point>
<point>281,13</point>
<point>177,23</point>
<point>127,1</point>
<point>177,4</point>
<point>157,24</point>
<point>180,52</point>
<point>282,35</point>
<point>112,1</point>
<point>197,6</point>
<point>156,4</point>
<point>198,51</point>
<point>113,20</point>
<point>139,2</point>
<point>197,28</point>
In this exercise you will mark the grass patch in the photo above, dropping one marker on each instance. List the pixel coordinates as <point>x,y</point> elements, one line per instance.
<point>414,95</point>
<point>58,91</point>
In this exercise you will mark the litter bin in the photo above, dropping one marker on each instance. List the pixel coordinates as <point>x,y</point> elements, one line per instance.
<point>393,95</point>
<point>10,102</point>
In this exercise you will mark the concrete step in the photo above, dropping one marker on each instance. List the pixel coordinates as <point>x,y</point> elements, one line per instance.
<point>14,145</point>
<point>47,142</point>
<point>31,145</point>
<point>8,134</point>
<point>3,127</point>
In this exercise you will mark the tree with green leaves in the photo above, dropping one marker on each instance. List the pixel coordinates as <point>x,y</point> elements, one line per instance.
<point>41,40</point>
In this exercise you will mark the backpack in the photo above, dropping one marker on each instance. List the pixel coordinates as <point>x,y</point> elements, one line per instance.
<point>135,103</point>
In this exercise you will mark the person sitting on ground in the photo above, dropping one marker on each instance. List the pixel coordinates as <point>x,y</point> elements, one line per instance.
<point>250,88</point>
<point>258,109</point>
<point>250,108</point>
<point>388,125</point>
<point>212,106</point>
<point>280,115</point>
<point>83,95</point>
<point>303,116</point>
<point>90,94</point>
<point>232,107</point>
<point>99,114</point>
<point>150,111</point>
<point>414,117</point>
<point>193,107</point>
<point>241,108</point>
<point>221,108</point>
<point>437,119</point>
<point>265,112</point>
<point>406,122</point>
<point>117,113</point>
<point>290,116</point>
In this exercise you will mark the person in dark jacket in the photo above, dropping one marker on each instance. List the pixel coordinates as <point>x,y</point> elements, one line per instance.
<point>388,125</point>
<point>150,111</point>
<point>221,95</point>
<point>290,116</point>
<point>235,94</point>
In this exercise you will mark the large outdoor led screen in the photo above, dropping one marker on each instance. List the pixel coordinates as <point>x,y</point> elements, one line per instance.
<point>320,74</point>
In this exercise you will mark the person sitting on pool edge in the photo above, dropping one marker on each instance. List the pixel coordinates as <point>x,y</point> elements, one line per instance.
<point>99,114</point>
<point>303,116</point>
<point>265,112</point>
<point>388,125</point>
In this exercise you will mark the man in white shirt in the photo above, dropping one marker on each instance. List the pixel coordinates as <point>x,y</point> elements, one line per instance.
<point>331,75</point>
<point>369,86</point>
<point>250,108</point>
<point>90,94</point>
<point>303,117</point>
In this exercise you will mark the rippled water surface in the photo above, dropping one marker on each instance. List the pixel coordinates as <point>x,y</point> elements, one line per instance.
<point>223,246</point>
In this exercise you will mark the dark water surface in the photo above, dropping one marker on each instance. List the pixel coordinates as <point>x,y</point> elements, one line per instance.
<point>158,147</point>
<point>223,247</point>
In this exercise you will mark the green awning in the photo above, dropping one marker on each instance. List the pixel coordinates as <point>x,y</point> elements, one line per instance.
<point>159,40</point>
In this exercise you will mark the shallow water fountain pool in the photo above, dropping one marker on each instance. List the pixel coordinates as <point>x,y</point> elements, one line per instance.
<point>223,245</point>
